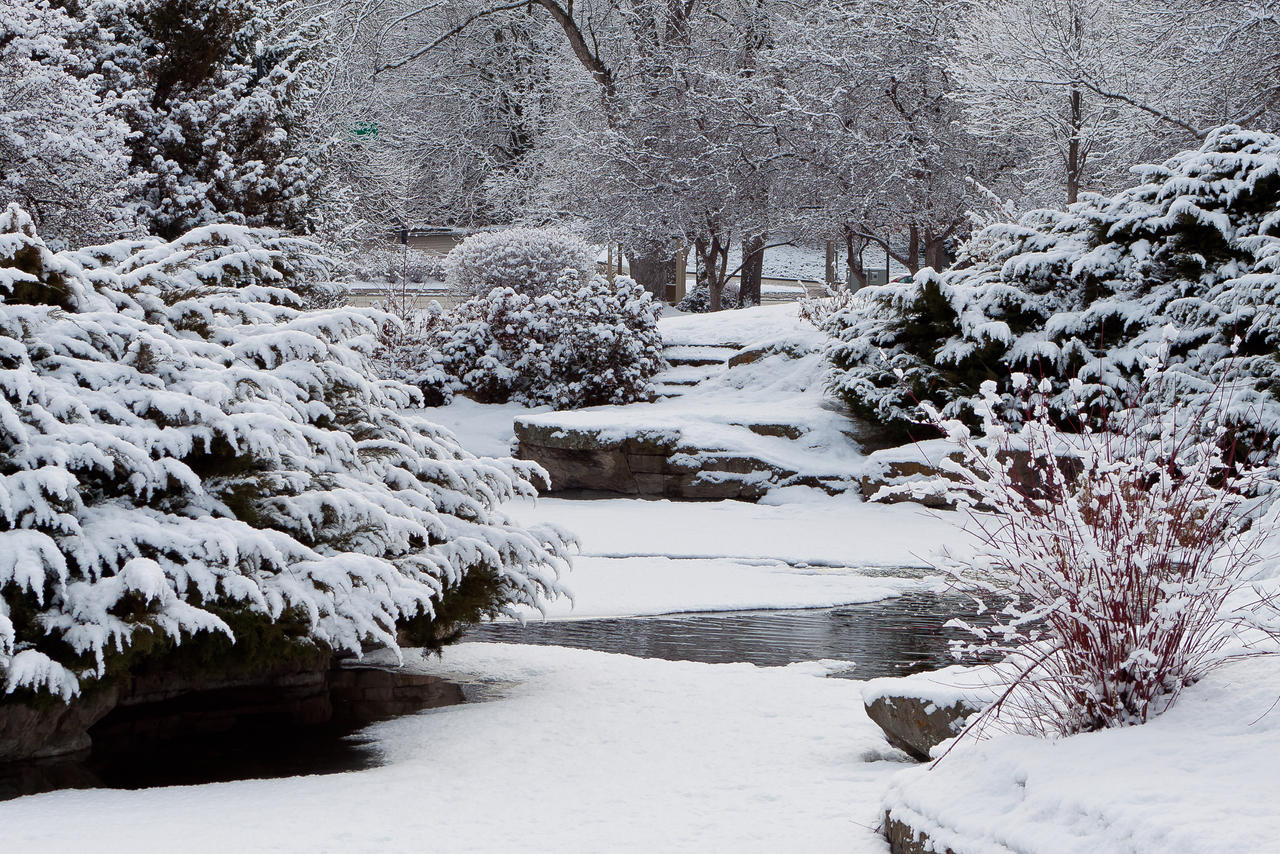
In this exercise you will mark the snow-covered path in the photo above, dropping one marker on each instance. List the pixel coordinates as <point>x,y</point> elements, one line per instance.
<point>580,752</point>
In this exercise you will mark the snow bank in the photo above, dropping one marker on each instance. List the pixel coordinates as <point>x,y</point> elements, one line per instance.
<point>812,529</point>
<point>638,586</point>
<point>1199,778</point>
<point>736,328</point>
<point>599,753</point>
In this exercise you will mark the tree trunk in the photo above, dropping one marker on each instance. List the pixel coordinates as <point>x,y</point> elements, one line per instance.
<point>752,269</point>
<point>935,251</point>
<point>701,274</point>
<point>712,258</point>
<point>913,249</point>
<point>855,245</point>
<point>1074,165</point>
<point>653,271</point>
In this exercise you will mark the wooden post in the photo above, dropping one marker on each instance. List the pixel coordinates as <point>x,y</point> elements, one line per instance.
<point>681,273</point>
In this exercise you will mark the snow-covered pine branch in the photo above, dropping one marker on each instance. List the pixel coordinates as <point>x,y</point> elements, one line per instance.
<point>184,445</point>
<point>1087,291</point>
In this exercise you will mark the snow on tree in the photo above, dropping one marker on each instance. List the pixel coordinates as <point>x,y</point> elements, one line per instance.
<point>220,97</point>
<point>576,344</point>
<point>186,451</point>
<point>1019,66</point>
<point>62,154</point>
<point>449,137</point>
<point>530,261</point>
<point>1081,292</point>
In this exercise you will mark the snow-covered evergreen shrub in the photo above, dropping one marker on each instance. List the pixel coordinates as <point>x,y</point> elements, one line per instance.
<point>186,452</point>
<point>1195,244</point>
<point>698,300</point>
<point>577,345</point>
<point>528,261</point>
<point>1124,574</point>
<point>407,351</point>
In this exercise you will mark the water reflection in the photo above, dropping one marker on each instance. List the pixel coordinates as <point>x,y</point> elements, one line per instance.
<point>245,752</point>
<point>892,637</point>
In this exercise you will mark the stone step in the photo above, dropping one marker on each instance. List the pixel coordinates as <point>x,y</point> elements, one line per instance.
<point>689,374</point>
<point>690,354</point>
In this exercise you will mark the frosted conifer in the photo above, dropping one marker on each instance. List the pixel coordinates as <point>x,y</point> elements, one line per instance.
<point>185,449</point>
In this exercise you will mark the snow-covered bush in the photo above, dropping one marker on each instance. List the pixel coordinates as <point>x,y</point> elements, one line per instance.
<point>186,453</point>
<point>819,310</point>
<point>698,300</point>
<point>1122,557</point>
<point>407,351</point>
<point>577,345</point>
<point>528,261</point>
<point>1077,294</point>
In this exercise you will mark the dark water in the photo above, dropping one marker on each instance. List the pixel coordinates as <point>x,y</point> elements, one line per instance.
<point>892,637</point>
<point>245,752</point>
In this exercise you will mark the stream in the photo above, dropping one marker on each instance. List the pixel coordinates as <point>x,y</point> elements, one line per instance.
<point>891,637</point>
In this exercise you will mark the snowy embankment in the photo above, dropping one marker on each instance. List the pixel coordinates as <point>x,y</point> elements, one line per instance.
<point>652,557</point>
<point>767,405</point>
<point>604,753</point>
<point>1199,778</point>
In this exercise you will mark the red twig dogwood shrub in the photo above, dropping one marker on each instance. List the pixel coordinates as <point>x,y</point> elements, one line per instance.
<point>1124,553</point>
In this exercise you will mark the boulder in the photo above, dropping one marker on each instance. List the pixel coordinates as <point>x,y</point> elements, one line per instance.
<point>916,725</point>
<point>48,728</point>
<point>903,839</point>
<point>923,710</point>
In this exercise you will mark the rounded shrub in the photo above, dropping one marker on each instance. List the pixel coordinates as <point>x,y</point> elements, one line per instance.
<point>527,260</point>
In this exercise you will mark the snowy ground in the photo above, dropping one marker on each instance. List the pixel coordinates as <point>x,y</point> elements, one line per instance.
<point>581,752</point>
<point>1200,778</point>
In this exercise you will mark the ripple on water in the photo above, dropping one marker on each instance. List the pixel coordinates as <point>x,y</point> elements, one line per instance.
<point>892,637</point>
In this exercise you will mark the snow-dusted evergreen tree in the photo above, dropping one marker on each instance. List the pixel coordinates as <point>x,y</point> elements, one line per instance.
<point>187,453</point>
<point>62,153</point>
<point>1195,245</point>
<point>219,97</point>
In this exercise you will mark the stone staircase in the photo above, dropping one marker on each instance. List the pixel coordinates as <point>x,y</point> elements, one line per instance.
<point>691,364</point>
<point>686,446</point>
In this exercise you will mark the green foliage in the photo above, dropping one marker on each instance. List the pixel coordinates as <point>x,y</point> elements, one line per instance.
<point>1090,293</point>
